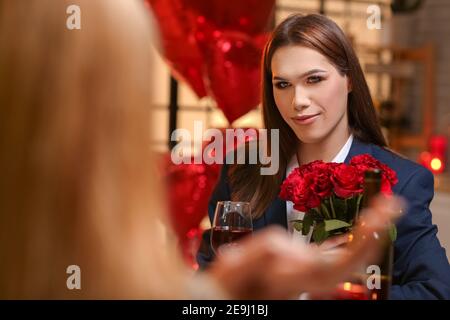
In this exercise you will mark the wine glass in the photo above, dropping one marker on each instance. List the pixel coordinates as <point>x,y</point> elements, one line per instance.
<point>232,221</point>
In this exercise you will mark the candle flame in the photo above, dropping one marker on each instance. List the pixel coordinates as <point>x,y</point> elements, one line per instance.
<point>347,286</point>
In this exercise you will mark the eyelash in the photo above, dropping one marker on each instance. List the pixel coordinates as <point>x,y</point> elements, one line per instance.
<point>310,80</point>
<point>317,79</point>
<point>280,85</point>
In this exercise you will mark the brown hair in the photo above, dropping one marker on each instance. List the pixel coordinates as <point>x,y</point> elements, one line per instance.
<point>77,184</point>
<point>323,35</point>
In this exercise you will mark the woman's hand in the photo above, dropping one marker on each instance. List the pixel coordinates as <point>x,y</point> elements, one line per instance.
<point>333,242</point>
<point>269,265</point>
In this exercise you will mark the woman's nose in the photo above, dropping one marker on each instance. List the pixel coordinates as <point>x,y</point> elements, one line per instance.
<point>300,99</point>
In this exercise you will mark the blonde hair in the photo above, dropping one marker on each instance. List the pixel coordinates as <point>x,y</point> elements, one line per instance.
<point>78,177</point>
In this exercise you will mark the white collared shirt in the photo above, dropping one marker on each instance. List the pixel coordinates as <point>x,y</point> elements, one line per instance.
<point>293,214</point>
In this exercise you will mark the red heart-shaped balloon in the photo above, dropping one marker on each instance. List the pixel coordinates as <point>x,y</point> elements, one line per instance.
<point>233,68</point>
<point>230,36</point>
<point>247,16</point>
<point>179,44</point>
<point>189,189</point>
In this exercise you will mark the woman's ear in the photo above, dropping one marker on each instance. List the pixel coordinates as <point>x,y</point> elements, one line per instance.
<point>349,85</point>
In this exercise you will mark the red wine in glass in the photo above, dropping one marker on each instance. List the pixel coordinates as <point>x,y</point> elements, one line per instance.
<point>232,221</point>
<point>227,236</point>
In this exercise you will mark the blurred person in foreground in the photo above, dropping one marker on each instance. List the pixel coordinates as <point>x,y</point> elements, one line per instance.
<point>78,180</point>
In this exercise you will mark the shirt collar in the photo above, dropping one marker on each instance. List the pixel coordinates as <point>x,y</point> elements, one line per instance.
<point>342,154</point>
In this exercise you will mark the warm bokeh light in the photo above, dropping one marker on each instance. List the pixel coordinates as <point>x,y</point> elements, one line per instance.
<point>432,161</point>
<point>350,237</point>
<point>436,164</point>
<point>347,286</point>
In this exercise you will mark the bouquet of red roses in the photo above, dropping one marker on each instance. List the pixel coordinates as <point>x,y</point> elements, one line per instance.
<point>331,194</point>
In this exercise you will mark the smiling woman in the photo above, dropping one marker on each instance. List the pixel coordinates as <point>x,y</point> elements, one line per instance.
<point>315,93</point>
<point>309,69</point>
<point>315,96</point>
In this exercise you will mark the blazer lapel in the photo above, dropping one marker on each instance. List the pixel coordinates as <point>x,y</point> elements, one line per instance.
<point>276,213</point>
<point>358,147</point>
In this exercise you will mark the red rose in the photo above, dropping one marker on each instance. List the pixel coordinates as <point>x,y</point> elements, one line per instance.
<point>321,185</point>
<point>389,174</point>
<point>317,173</point>
<point>287,187</point>
<point>365,162</point>
<point>347,181</point>
<point>312,166</point>
<point>307,199</point>
<point>298,189</point>
<point>301,192</point>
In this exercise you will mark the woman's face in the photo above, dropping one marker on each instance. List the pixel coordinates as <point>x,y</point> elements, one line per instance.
<point>310,93</point>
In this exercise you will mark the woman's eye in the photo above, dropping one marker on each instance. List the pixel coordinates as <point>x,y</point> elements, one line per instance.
<point>281,85</point>
<point>314,79</point>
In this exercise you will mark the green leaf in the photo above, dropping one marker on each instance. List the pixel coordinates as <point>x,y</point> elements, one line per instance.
<point>335,224</point>
<point>333,211</point>
<point>298,225</point>
<point>319,233</point>
<point>393,232</point>
<point>325,210</point>
<point>308,221</point>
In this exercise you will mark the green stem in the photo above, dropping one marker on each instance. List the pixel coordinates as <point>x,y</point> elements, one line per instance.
<point>357,205</point>
<point>318,211</point>
<point>324,209</point>
<point>332,207</point>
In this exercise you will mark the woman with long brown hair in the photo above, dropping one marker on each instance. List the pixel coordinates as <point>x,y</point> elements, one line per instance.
<point>314,92</point>
<point>78,187</point>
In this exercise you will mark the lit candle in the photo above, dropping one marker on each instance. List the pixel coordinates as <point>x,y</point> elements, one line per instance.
<point>351,291</point>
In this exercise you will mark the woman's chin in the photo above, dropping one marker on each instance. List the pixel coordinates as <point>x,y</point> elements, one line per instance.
<point>310,138</point>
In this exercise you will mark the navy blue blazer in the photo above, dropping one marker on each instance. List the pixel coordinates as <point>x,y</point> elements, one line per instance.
<point>421,269</point>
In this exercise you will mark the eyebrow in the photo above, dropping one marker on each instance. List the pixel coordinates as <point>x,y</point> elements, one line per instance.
<point>307,73</point>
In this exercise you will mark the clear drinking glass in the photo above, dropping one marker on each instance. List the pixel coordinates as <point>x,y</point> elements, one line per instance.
<point>232,221</point>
